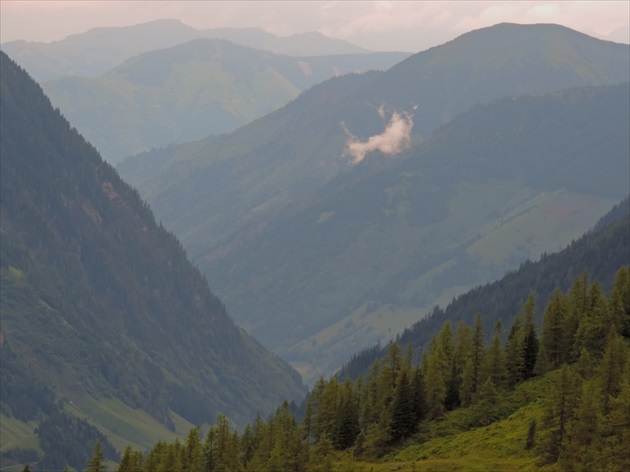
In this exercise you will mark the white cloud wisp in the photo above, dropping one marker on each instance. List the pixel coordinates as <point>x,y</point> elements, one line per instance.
<point>395,138</point>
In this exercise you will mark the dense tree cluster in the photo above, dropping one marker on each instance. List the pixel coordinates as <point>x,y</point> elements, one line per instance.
<point>582,345</point>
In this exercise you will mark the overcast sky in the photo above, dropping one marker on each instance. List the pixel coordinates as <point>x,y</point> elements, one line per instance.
<point>383,25</point>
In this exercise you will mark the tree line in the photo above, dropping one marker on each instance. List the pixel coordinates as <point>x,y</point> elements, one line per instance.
<point>581,345</point>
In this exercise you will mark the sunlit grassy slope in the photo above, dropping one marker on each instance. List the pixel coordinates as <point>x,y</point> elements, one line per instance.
<point>459,443</point>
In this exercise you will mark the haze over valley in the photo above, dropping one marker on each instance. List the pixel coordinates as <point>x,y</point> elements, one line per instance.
<point>229,249</point>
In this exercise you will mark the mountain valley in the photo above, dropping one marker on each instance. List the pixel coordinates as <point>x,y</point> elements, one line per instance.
<point>314,257</point>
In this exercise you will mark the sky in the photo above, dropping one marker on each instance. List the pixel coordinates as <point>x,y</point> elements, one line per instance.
<point>376,25</point>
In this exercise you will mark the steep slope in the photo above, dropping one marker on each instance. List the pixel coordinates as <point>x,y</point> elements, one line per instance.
<point>375,247</point>
<point>99,303</point>
<point>599,253</point>
<point>190,91</point>
<point>301,146</point>
<point>98,50</point>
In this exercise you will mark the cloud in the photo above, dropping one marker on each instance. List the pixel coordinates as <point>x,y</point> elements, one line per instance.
<point>395,138</point>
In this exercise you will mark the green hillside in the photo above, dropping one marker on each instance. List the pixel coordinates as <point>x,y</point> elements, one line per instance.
<point>107,330</point>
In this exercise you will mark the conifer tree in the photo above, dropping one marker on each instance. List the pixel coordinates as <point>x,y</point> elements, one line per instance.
<point>495,359</point>
<point>193,451</point>
<point>97,463</point>
<point>530,339</point>
<point>584,432</point>
<point>594,323</point>
<point>559,410</point>
<point>612,364</point>
<point>130,461</point>
<point>438,372</point>
<point>577,301</point>
<point>618,418</point>
<point>473,365</point>
<point>619,302</point>
<point>514,353</point>
<point>419,400</point>
<point>403,415</point>
<point>556,351</point>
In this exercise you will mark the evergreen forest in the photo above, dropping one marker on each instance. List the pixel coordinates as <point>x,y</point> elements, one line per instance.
<point>566,380</point>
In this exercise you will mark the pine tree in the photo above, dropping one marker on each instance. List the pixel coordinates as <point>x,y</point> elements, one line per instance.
<point>403,418</point>
<point>439,372</point>
<point>530,340</point>
<point>559,410</point>
<point>584,432</point>
<point>578,307</point>
<point>619,302</point>
<point>419,401</point>
<point>612,364</point>
<point>594,323</point>
<point>514,353</point>
<point>552,335</point>
<point>618,418</point>
<point>471,375</point>
<point>495,359</point>
<point>193,452</point>
<point>97,463</point>
<point>130,461</point>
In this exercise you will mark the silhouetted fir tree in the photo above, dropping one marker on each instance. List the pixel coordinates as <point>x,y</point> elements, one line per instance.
<point>403,414</point>
<point>419,399</point>
<point>530,340</point>
<point>514,353</point>
<point>348,427</point>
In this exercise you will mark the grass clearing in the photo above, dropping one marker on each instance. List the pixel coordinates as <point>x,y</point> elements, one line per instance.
<point>17,434</point>
<point>127,426</point>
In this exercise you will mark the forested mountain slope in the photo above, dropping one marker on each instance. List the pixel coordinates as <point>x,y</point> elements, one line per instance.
<point>207,190</point>
<point>597,255</point>
<point>192,90</point>
<point>554,396</point>
<point>381,244</point>
<point>103,316</point>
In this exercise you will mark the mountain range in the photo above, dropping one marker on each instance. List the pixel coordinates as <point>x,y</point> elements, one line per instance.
<point>103,316</point>
<point>347,213</point>
<point>192,90</point>
<point>98,50</point>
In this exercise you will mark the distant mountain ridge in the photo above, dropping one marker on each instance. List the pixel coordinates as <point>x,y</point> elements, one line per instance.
<point>100,49</point>
<point>100,304</point>
<point>192,90</point>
